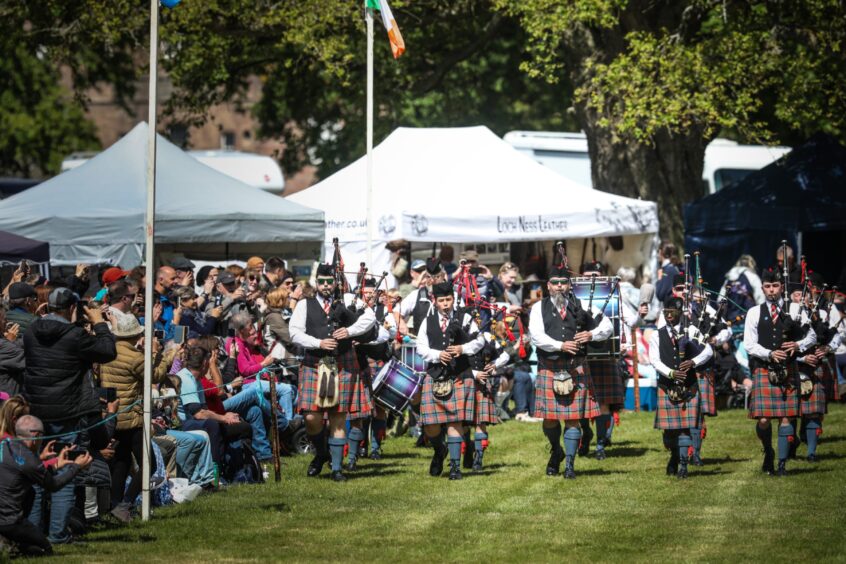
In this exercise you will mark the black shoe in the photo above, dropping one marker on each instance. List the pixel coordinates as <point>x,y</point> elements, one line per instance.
<point>477,462</point>
<point>584,445</point>
<point>468,455</point>
<point>362,451</point>
<point>696,460</point>
<point>436,467</point>
<point>351,466</point>
<point>673,466</point>
<point>569,472</point>
<point>316,466</point>
<point>600,454</point>
<point>812,458</point>
<point>454,471</point>
<point>682,472</point>
<point>338,476</point>
<point>791,454</point>
<point>376,455</point>
<point>782,471</point>
<point>554,464</point>
<point>769,460</point>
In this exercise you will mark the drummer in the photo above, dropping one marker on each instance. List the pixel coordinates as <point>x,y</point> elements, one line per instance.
<point>447,340</point>
<point>419,304</point>
<point>372,355</point>
<point>608,386</point>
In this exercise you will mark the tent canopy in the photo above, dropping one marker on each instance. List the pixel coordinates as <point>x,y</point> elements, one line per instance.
<point>14,248</point>
<point>95,212</point>
<point>803,192</point>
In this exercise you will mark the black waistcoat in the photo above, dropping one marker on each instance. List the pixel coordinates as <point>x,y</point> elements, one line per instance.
<point>438,341</point>
<point>320,326</point>
<point>421,308</point>
<point>559,329</point>
<point>770,333</point>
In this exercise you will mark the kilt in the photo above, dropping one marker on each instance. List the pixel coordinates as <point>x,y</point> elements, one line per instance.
<point>829,379</point>
<point>458,408</point>
<point>580,404</point>
<point>676,416</point>
<point>608,387</point>
<point>816,403</point>
<point>707,398</point>
<point>351,397</point>
<point>362,393</point>
<point>484,410</point>
<point>767,400</point>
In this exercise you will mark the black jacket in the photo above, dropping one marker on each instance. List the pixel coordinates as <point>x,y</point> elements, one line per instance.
<point>11,367</point>
<point>58,356</point>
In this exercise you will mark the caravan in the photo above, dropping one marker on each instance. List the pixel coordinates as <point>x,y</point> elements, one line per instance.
<point>567,154</point>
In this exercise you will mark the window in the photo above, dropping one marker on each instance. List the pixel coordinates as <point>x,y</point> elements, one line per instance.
<point>227,140</point>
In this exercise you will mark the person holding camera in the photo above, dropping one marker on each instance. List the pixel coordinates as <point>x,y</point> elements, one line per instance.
<point>126,375</point>
<point>59,354</point>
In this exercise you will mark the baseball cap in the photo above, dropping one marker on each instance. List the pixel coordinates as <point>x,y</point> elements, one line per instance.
<point>470,255</point>
<point>225,278</point>
<point>113,274</point>
<point>182,263</point>
<point>418,265</point>
<point>21,290</point>
<point>62,298</point>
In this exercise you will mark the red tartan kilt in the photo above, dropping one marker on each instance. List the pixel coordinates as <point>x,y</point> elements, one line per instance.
<point>458,408</point>
<point>767,400</point>
<point>676,416</point>
<point>608,387</point>
<point>707,397</point>
<point>815,404</point>
<point>351,396</point>
<point>484,411</point>
<point>362,396</point>
<point>829,379</point>
<point>581,404</point>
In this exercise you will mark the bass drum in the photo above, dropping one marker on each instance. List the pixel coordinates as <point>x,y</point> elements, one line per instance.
<point>602,287</point>
<point>396,385</point>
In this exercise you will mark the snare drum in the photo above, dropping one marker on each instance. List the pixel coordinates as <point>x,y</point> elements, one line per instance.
<point>395,385</point>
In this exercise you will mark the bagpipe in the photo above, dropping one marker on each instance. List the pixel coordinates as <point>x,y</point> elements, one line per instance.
<point>584,318</point>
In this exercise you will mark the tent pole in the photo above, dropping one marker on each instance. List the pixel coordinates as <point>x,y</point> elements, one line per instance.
<point>149,233</point>
<point>368,17</point>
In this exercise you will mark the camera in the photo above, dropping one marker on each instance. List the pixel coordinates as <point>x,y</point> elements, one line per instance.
<point>158,334</point>
<point>108,394</point>
<point>180,333</point>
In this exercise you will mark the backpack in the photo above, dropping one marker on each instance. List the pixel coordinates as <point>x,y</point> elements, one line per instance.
<point>740,295</point>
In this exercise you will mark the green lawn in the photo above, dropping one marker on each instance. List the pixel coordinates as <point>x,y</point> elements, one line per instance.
<point>623,508</point>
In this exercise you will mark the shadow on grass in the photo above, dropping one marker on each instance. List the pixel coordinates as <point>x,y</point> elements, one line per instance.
<point>812,470</point>
<point>626,452</point>
<point>402,455</point>
<point>598,472</point>
<point>712,472</point>
<point>275,507</point>
<point>121,537</point>
<point>832,439</point>
<point>724,460</point>
<point>371,473</point>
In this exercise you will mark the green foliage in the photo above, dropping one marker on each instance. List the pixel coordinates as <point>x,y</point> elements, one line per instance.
<point>623,509</point>
<point>461,67</point>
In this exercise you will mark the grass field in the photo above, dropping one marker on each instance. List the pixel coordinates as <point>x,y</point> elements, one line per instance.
<point>623,508</point>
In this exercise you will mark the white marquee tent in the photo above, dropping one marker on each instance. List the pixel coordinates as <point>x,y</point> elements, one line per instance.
<point>457,185</point>
<point>95,212</point>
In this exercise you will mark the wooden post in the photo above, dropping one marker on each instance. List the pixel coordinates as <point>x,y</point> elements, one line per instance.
<point>274,426</point>
<point>635,373</point>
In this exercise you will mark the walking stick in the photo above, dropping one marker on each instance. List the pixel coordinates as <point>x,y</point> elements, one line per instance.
<point>274,426</point>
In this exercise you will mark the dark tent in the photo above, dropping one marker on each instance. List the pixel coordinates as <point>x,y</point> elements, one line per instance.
<point>14,248</point>
<point>800,198</point>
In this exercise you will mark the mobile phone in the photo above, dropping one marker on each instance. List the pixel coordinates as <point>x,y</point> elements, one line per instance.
<point>58,446</point>
<point>108,394</point>
<point>180,333</point>
<point>158,334</point>
<point>24,266</point>
<point>476,270</point>
<point>73,454</point>
<point>83,303</point>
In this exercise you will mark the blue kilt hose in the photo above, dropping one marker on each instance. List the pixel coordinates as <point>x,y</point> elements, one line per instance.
<point>484,411</point>
<point>829,379</point>
<point>707,397</point>
<point>767,400</point>
<point>347,372</point>
<point>458,408</point>
<point>580,404</point>
<point>608,387</point>
<point>676,415</point>
<point>815,404</point>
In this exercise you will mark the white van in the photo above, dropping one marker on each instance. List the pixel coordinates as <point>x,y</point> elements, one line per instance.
<point>259,171</point>
<point>726,161</point>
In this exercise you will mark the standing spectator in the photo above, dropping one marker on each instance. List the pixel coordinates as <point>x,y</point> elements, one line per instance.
<point>22,303</point>
<point>20,469</point>
<point>188,314</point>
<point>121,299</point>
<point>504,288</point>
<point>255,269</point>
<point>274,273</point>
<point>184,270</point>
<point>447,258</point>
<point>742,287</point>
<point>59,354</point>
<point>126,375</point>
<point>669,257</point>
<point>166,281</point>
<point>12,361</point>
<point>277,336</point>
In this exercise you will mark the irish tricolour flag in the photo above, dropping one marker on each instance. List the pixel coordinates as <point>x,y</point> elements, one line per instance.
<point>394,35</point>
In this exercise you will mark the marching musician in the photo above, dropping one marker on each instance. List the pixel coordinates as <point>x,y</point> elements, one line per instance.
<point>446,340</point>
<point>560,328</point>
<point>608,386</point>
<point>419,304</point>
<point>325,325</point>
<point>675,356</point>
<point>772,342</point>
<point>372,355</point>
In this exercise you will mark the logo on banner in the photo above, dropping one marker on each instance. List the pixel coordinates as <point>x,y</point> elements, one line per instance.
<point>419,224</point>
<point>387,224</point>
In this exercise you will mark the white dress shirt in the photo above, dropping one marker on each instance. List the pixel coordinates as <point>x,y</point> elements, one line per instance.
<point>750,333</point>
<point>297,324</point>
<point>655,353</point>
<point>434,355</point>
<point>544,342</point>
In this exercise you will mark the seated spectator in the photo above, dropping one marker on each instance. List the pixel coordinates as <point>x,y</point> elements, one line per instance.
<point>20,470</point>
<point>277,337</point>
<point>250,357</point>
<point>12,361</point>
<point>188,314</point>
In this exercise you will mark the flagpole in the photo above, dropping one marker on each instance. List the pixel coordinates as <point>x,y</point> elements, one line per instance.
<point>149,232</point>
<point>368,17</point>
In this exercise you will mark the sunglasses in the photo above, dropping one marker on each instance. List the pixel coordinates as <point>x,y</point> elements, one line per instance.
<point>325,280</point>
<point>288,282</point>
<point>559,281</point>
